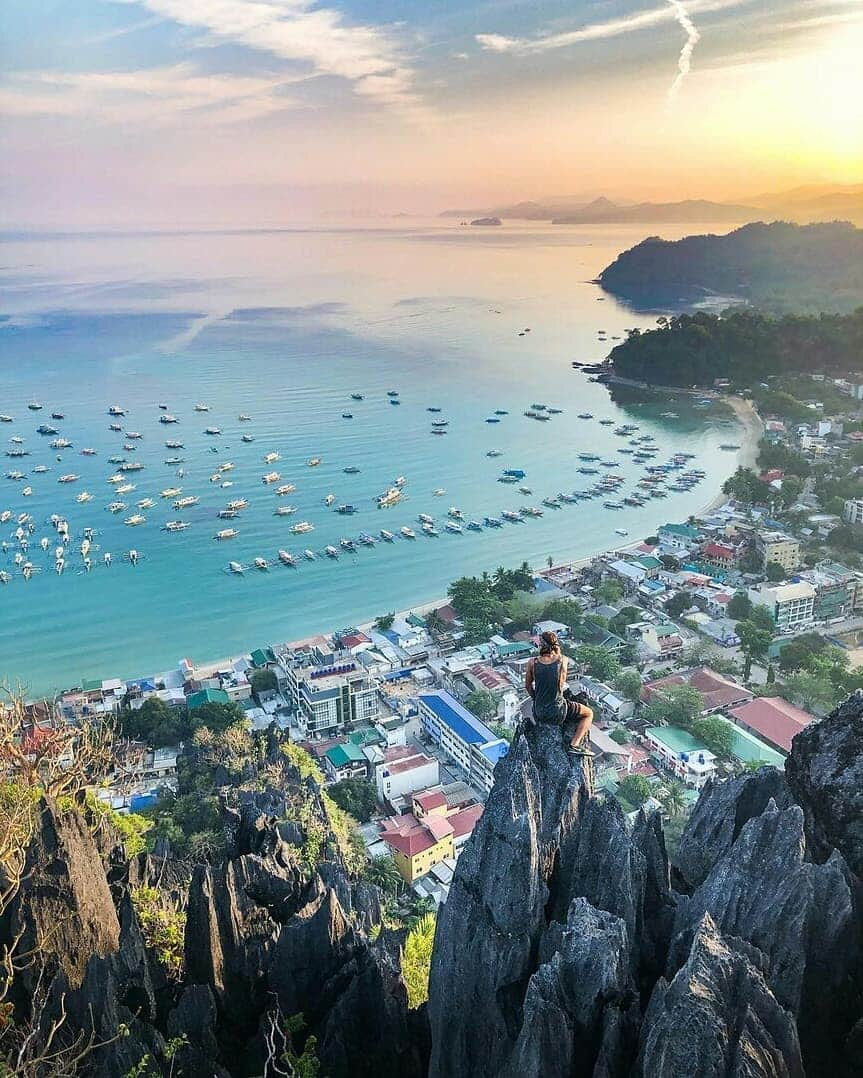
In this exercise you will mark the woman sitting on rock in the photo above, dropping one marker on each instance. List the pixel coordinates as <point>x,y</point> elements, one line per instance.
<point>545,682</point>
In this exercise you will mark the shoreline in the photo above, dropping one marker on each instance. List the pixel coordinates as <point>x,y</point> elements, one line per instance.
<point>752,428</point>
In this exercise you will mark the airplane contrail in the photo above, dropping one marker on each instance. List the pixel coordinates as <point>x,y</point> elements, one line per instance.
<point>684,62</point>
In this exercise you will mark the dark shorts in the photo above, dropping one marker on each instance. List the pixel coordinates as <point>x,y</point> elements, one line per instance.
<point>570,720</point>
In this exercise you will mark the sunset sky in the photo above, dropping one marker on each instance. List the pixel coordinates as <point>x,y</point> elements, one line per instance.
<point>173,112</point>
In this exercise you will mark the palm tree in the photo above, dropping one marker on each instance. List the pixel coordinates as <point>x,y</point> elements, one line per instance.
<point>674,798</point>
<point>382,872</point>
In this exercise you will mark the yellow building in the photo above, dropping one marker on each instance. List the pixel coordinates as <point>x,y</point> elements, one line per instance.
<point>418,844</point>
<point>778,547</point>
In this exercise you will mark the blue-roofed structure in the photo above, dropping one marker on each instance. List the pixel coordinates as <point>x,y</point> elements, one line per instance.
<point>466,739</point>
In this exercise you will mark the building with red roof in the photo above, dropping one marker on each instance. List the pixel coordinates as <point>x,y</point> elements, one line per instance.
<point>772,719</point>
<point>717,692</point>
<point>720,556</point>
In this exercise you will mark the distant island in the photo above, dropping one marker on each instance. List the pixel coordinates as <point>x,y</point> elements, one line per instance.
<point>486,222</point>
<point>744,347</point>
<point>826,202</point>
<point>777,267</point>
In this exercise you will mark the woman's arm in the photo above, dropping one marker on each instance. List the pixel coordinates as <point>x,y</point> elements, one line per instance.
<point>564,669</point>
<point>528,678</point>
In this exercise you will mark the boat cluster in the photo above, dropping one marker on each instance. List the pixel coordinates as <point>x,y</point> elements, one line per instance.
<point>657,480</point>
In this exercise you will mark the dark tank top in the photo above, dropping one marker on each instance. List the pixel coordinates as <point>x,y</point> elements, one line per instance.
<point>548,703</point>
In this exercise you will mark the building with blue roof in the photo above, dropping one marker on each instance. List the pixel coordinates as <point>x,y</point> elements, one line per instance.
<point>467,740</point>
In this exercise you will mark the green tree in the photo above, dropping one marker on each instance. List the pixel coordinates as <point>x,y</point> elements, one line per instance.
<point>813,692</point>
<point>384,622</point>
<point>627,615</point>
<point>264,680</point>
<point>754,643</point>
<point>673,797</point>
<point>774,572</point>
<point>162,927</point>
<point>739,606</point>
<point>416,960</point>
<point>382,871</point>
<point>505,733</point>
<point>746,487</point>
<point>629,684</point>
<point>678,705</point>
<point>357,797</point>
<point>482,703</point>
<point>619,735</point>
<point>799,651</point>
<point>609,591</point>
<point>635,789</point>
<point>762,619</point>
<point>154,723</point>
<point>599,662</point>
<point>716,734</point>
<point>215,716</point>
<point>678,602</point>
<point>566,611</point>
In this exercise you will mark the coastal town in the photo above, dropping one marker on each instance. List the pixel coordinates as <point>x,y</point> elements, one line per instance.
<point>703,649</point>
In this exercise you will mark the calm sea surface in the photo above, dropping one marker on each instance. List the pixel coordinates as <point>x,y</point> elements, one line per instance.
<point>284,326</point>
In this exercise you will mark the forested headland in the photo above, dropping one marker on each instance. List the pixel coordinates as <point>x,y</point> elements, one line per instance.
<point>778,267</point>
<point>743,346</point>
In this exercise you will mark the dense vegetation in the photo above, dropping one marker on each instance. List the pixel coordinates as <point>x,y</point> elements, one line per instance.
<point>778,267</point>
<point>743,346</point>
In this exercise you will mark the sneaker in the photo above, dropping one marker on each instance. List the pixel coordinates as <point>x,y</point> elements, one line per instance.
<point>579,750</point>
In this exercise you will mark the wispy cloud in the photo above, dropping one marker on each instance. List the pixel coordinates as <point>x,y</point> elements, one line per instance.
<point>598,31</point>
<point>684,61</point>
<point>368,57</point>
<point>160,96</point>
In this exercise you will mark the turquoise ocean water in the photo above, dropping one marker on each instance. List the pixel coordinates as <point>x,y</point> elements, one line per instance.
<point>285,326</point>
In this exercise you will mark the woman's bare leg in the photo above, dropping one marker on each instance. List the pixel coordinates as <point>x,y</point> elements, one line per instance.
<point>585,721</point>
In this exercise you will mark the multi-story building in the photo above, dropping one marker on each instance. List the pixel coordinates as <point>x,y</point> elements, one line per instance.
<point>778,547</point>
<point>430,833</point>
<point>677,536</point>
<point>330,690</point>
<point>462,736</point>
<point>719,556</point>
<point>835,590</point>
<point>682,754</point>
<point>401,769</point>
<point>852,513</point>
<point>792,606</point>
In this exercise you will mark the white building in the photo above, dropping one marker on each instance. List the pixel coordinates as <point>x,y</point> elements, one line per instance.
<point>330,690</point>
<point>792,606</point>
<point>462,736</point>
<point>852,513</point>
<point>679,751</point>
<point>403,770</point>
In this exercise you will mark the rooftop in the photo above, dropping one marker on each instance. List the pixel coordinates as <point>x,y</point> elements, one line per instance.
<point>411,836</point>
<point>716,691</point>
<point>468,727</point>
<point>773,718</point>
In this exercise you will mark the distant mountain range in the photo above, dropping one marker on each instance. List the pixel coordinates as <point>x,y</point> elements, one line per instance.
<point>803,205</point>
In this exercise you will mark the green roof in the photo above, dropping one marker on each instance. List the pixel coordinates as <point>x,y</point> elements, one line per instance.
<point>516,647</point>
<point>676,739</point>
<point>647,561</point>
<point>91,684</point>
<point>686,530</point>
<point>364,737</point>
<point>206,696</point>
<point>416,620</point>
<point>747,747</point>
<point>666,629</point>
<point>341,755</point>
<point>262,656</point>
